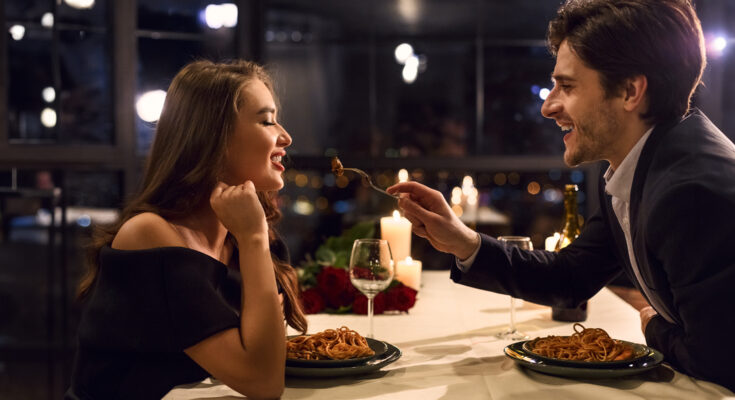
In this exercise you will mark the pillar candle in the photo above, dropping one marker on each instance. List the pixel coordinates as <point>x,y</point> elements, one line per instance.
<point>408,272</point>
<point>397,231</point>
<point>550,243</point>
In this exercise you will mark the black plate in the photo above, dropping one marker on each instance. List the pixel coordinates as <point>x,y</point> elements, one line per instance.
<point>376,345</point>
<point>639,351</point>
<point>585,370</point>
<point>375,363</point>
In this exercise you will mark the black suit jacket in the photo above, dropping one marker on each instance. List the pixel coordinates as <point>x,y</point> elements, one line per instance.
<point>682,216</point>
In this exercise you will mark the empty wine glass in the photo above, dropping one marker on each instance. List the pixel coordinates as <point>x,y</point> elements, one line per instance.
<point>523,243</point>
<point>371,270</point>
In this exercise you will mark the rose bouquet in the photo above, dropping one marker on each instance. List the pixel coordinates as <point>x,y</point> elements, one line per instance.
<point>325,281</point>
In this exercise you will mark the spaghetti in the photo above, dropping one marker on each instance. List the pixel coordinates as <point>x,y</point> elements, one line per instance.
<point>586,344</point>
<point>331,344</point>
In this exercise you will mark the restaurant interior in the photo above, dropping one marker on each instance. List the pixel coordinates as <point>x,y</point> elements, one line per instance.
<point>446,93</point>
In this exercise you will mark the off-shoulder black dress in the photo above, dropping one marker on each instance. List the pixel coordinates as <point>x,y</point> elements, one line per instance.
<point>146,307</point>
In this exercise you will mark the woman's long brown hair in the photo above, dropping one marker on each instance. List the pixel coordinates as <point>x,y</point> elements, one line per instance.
<point>187,157</point>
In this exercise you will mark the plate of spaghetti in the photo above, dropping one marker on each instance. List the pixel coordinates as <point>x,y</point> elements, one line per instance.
<point>370,366</point>
<point>586,345</point>
<point>588,353</point>
<point>332,348</point>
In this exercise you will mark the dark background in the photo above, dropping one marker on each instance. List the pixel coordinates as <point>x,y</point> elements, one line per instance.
<point>474,110</point>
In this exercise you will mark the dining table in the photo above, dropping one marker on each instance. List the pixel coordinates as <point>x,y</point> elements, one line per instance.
<point>449,350</point>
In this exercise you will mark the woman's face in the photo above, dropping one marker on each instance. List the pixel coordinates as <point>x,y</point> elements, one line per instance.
<point>258,142</point>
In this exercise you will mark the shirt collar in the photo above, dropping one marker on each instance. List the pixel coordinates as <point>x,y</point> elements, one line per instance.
<point>618,182</point>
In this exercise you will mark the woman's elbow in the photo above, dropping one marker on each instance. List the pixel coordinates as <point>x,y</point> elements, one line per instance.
<point>265,389</point>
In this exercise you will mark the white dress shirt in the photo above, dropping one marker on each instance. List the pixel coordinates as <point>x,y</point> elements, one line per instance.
<point>618,184</point>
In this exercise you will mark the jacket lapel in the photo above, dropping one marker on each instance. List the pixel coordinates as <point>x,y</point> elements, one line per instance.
<point>641,171</point>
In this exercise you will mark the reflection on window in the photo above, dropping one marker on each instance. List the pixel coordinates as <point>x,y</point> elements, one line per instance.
<point>85,97</point>
<point>159,61</point>
<point>434,115</point>
<point>59,86</point>
<point>187,16</point>
<point>26,10</point>
<point>513,98</point>
<point>362,98</point>
<point>30,72</point>
<point>88,13</point>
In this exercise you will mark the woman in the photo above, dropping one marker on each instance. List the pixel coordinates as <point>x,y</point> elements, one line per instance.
<point>155,313</point>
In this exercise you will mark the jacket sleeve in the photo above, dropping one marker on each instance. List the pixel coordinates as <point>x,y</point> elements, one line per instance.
<point>691,233</point>
<point>565,279</point>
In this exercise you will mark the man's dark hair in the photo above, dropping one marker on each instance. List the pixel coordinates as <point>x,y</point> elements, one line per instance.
<point>661,39</point>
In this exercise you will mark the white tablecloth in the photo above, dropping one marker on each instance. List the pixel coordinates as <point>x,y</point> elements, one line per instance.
<point>450,352</point>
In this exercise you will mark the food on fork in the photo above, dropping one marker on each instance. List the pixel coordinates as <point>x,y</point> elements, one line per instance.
<point>331,344</point>
<point>586,344</point>
<point>339,170</point>
<point>337,166</point>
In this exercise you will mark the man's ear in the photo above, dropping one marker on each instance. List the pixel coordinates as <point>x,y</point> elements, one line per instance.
<point>634,91</point>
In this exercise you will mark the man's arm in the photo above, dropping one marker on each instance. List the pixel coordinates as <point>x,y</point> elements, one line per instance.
<point>565,279</point>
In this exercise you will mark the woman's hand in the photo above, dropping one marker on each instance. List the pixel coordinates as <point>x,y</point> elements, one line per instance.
<point>239,210</point>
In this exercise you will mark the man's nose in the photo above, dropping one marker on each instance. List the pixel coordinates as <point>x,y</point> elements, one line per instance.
<point>551,106</point>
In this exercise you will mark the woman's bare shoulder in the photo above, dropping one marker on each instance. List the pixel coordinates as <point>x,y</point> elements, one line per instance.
<point>146,231</point>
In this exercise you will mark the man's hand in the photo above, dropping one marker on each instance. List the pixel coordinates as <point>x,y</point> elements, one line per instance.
<point>647,313</point>
<point>434,220</point>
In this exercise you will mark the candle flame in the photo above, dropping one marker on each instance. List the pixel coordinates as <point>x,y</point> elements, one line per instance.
<point>396,215</point>
<point>409,260</point>
<point>467,181</point>
<point>402,175</point>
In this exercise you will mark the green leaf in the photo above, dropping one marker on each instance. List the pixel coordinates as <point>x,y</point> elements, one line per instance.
<point>342,259</point>
<point>362,230</point>
<point>307,274</point>
<point>325,255</point>
<point>393,283</point>
<point>343,309</point>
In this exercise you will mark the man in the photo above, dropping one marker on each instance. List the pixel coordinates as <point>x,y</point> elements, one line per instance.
<point>625,72</point>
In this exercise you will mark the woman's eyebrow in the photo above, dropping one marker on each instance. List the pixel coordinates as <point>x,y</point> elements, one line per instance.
<point>266,110</point>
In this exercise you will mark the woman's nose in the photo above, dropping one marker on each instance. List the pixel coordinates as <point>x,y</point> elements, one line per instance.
<point>284,139</point>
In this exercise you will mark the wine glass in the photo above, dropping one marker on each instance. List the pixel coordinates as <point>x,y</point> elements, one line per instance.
<point>523,243</point>
<point>371,270</point>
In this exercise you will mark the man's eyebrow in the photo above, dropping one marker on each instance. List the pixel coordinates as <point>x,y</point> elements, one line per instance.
<point>561,77</point>
<point>266,110</point>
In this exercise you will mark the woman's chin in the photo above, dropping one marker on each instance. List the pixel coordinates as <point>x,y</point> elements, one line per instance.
<point>270,186</point>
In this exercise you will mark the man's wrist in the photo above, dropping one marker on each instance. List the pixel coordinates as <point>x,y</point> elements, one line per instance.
<point>470,247</point>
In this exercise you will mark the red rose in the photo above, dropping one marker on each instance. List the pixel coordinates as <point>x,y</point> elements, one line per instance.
<point>333,279</point>
<point>400,298</point>
<point>335,284</point>
<point>362,273</point>
<point>312,301</point>
<point>360,304</point>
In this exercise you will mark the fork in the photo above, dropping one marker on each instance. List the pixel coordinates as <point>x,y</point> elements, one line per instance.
<point>369,181</point>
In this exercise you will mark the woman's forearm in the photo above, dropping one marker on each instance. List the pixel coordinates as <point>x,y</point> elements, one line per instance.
<point>262,329</point>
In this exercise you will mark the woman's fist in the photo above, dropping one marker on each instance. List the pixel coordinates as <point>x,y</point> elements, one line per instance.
<point>239,209</point>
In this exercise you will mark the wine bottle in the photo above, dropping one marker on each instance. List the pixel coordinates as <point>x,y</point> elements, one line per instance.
<point>570,231</point>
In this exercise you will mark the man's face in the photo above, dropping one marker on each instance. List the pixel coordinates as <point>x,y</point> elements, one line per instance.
<point>580,107</point>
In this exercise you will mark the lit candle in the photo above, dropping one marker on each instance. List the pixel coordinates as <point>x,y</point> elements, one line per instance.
<point>408,272</point>
<point>403,175</point>
<point>550,243</point>
<point>397,231</point>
